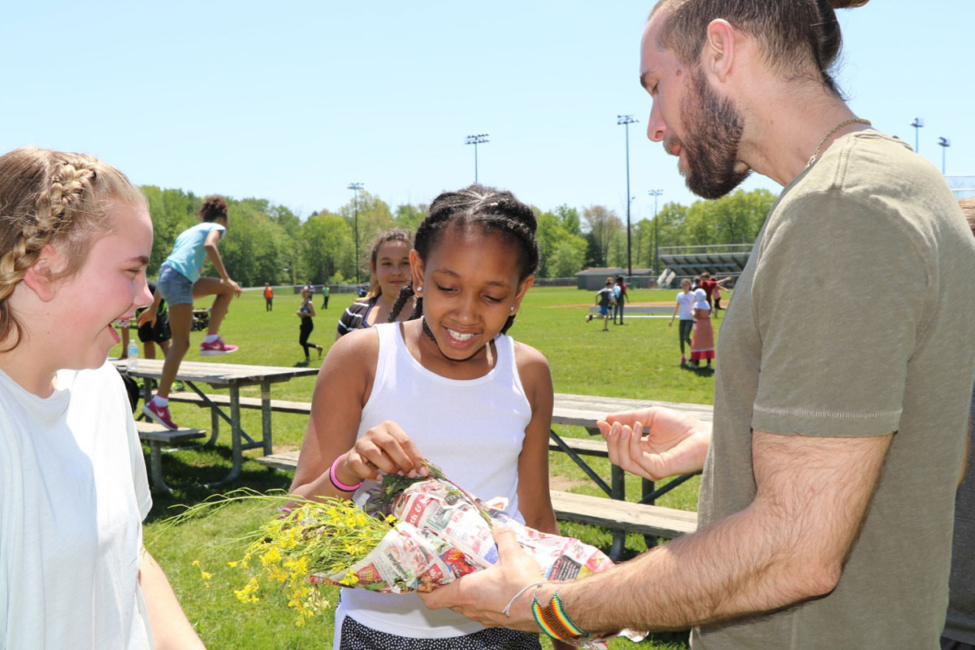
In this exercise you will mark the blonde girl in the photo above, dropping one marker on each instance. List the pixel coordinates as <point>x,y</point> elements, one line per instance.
<point>75,238</point>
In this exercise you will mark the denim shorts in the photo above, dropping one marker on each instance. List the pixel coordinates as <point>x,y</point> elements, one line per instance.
<point>176,288</point>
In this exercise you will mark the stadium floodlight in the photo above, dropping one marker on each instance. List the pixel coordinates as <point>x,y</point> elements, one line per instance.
<point>355,187</point>
<point>476,139</point>
<point>626,121</point>
<point>918,123</point>
<point>944,143</point>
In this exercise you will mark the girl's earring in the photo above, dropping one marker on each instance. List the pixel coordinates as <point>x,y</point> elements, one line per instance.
<point>512,309</point>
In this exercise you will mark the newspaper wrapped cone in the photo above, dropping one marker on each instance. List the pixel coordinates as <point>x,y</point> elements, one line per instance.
<point>445,533</point>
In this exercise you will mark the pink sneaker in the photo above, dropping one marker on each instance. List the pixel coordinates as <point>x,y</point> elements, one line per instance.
<point>159,415</point>
<point>215,348</point>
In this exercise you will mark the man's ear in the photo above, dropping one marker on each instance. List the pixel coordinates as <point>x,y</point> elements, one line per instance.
<point>39,278</point>
<point>718,55</point>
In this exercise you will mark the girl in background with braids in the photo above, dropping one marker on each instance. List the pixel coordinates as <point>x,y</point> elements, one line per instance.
<point>389,262</point>
<point>179,284</point>
<point>450,383</point>
<point>75,238</point>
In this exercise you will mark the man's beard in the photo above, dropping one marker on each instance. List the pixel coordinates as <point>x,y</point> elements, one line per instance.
<point>713,128</point>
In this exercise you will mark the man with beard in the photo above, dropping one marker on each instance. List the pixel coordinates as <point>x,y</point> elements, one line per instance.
<point>829,477</point>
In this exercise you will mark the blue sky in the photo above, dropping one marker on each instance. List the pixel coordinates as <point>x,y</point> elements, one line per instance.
<point>292,101</point>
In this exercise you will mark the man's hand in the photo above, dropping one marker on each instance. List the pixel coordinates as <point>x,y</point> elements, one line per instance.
<point>483,595</point>
<point>675,443</point>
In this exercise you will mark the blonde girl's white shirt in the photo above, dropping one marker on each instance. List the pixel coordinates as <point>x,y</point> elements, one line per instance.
<point>686,302</point>
<point>474,429</point>
<point>73,494</point>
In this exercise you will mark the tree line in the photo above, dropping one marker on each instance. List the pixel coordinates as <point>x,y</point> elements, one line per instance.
<point>270,243</point>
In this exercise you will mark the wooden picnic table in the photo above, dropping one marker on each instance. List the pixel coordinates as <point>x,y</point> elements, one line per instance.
<point>585,411</point>
<point>233,377</point>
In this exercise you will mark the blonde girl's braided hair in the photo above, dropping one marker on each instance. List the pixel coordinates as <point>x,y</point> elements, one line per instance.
<point>51,197</point>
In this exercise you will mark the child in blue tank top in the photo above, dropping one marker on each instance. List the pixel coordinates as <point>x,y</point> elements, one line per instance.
<point>179,284</point>
<point>448,386</point>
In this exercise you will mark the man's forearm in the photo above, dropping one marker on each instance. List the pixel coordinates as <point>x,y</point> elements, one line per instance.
<point>737,567</point>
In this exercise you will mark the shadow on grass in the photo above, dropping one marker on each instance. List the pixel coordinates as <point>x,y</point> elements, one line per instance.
<point>189,469</point>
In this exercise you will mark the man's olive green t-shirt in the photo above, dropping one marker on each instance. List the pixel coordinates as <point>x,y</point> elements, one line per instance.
<point>854,317</point>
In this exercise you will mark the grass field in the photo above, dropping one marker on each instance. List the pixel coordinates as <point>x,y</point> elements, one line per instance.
<point>637,360</point>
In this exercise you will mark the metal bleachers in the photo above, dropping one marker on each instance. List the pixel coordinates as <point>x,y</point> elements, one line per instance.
<point>721,260</point>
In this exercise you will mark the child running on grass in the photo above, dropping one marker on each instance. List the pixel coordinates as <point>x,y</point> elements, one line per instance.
<point>605,300</point>
<point>75,238</point>
<point>179,284</point>
<point>450,383</point>
<point>306,312</point>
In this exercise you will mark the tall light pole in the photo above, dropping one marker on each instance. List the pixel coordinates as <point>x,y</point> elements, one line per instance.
<point>944,143</point>
<point>918,123</point>
<point>355,187</point>
<point>479,138</point>
<point>626,121</point>
<point>656,247</point>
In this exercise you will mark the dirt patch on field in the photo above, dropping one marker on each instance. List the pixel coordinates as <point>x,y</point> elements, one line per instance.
<point>564,484</point>
<point>665,303</point>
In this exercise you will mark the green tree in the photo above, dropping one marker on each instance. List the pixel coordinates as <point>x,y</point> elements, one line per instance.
<point>330,250</point>
<point>732,219</point>
<point>408,217</point>
<point>569,257</point>
<point>594,254</point>
<point>569,219</point>
<point>373,218</point>
<point>604,225</point>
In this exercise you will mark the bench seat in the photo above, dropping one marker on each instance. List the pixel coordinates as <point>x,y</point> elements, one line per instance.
<point>156,435</point>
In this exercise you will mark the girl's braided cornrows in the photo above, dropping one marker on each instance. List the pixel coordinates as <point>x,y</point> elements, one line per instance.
<point>494,211</point>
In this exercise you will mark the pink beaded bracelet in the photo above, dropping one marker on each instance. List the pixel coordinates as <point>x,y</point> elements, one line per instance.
<point>339,485</point>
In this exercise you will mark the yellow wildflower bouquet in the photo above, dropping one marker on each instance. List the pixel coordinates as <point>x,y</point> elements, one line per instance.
<point>321,537</point>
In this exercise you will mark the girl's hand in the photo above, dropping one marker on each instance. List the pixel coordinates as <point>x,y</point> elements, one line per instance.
<point>675,443</point>
<point>234,286</point>
<point>384,449</point>
<point>148,316</point>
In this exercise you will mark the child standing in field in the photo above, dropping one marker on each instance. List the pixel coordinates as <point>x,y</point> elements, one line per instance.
<point>306,312</point>
<point>702,342</point>
<point>268,297</point>
<point>179,284</point>
<point>605,300</point>
<point>685,307</point>
<point>450,386</point>
<point>389,261</point>
<point>75,238</point>
<point>620,296</point>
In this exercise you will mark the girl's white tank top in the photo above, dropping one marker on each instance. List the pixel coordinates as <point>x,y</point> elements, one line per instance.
<point>472,428</point>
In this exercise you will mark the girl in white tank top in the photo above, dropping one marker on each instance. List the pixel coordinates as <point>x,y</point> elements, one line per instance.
<point>448,386</point>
